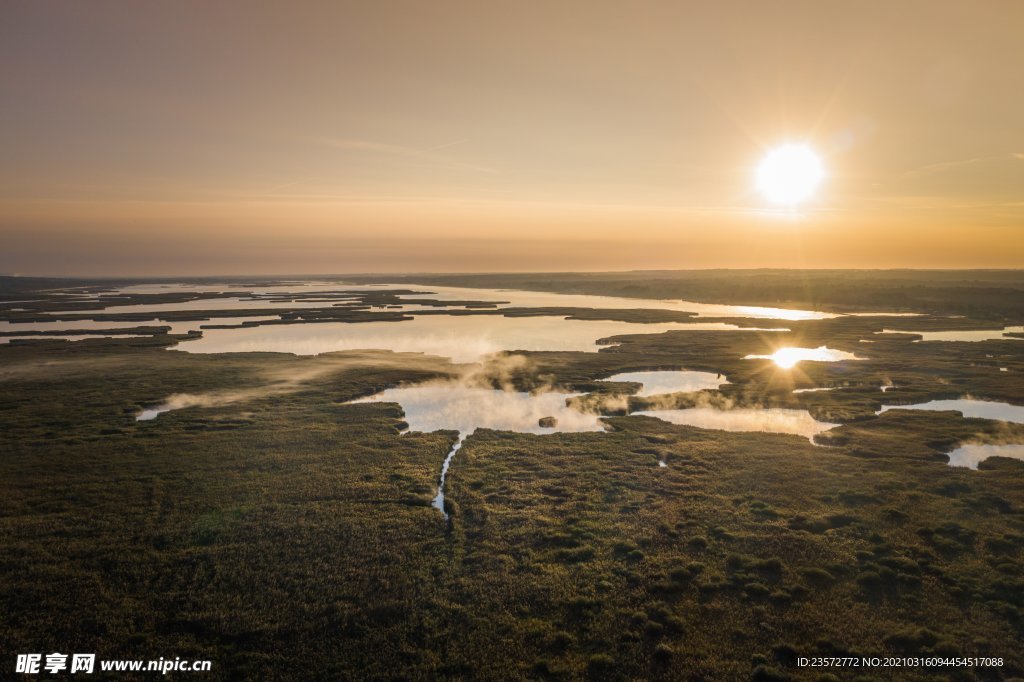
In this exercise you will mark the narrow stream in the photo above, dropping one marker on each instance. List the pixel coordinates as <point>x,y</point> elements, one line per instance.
<point>438,502</point>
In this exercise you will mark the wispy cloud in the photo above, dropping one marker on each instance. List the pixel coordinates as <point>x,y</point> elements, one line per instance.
<point>425,155</point>
<point>371,146</point>
<point>943,166</point>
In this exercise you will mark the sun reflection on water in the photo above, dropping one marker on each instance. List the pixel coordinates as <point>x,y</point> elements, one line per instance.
<point>788,357</point>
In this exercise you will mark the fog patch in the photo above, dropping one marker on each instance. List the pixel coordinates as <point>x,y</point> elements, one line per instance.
<point>471,401</point>
<point>678,381</point>
<point>284,380</point>
<point>456,406</point>
<point>770,420</point>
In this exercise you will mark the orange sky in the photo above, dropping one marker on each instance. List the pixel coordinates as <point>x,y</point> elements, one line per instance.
<point>289,137</point>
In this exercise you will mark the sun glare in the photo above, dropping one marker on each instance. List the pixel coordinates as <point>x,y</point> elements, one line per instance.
<point>789,174</point>
<point>788,357</point>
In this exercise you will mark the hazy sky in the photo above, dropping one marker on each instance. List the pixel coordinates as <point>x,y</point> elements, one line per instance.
<point>185,137</point>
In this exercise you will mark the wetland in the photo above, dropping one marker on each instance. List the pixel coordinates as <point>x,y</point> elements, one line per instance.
<point>597,479</point>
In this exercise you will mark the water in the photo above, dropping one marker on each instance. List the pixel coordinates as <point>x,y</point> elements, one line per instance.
<point>973,335</point>
<point>70,337</point>
<point>771,420</point>
<point>790,356</point>
<point>513,298</point>
<point>176,327</point>
<point>971,455</point>
<point>661,382</point>
<point>463,338</point>
<point>540,299</point>
<point>208,305</point>
<point>438,501</point>
<point>504,297</point>
<point>450,406</point>
<point>883,388</point>
<point>969,407</point>
<point>281,287</point>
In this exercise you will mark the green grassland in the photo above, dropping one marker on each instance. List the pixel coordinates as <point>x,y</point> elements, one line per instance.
<point>288,533</point>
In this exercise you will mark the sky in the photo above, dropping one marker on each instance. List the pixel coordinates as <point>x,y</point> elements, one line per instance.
<point>186,138</point>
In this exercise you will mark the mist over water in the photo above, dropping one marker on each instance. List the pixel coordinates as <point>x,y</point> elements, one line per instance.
<point>661,382</point>
<point>456,407</point>
<point>772,420</point>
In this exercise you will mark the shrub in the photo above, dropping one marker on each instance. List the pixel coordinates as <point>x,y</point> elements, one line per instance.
<point>756,590</point>
<point>910,641</point>
<point>599,665</point>
<point>763,673</point>
<point>561,641</point>
<point>818,577</point>
<point>785,654</point>
<point>698,544</point>
<point>680,575</point>
<point>869,580</point>
<point>653,630</point>
<point>735,562</point>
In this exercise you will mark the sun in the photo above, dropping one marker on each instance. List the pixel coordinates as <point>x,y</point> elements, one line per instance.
<point>789,174</point>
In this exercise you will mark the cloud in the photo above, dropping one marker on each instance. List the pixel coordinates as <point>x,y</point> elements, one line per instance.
<point>943,166</point>
<point>371,146</point>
